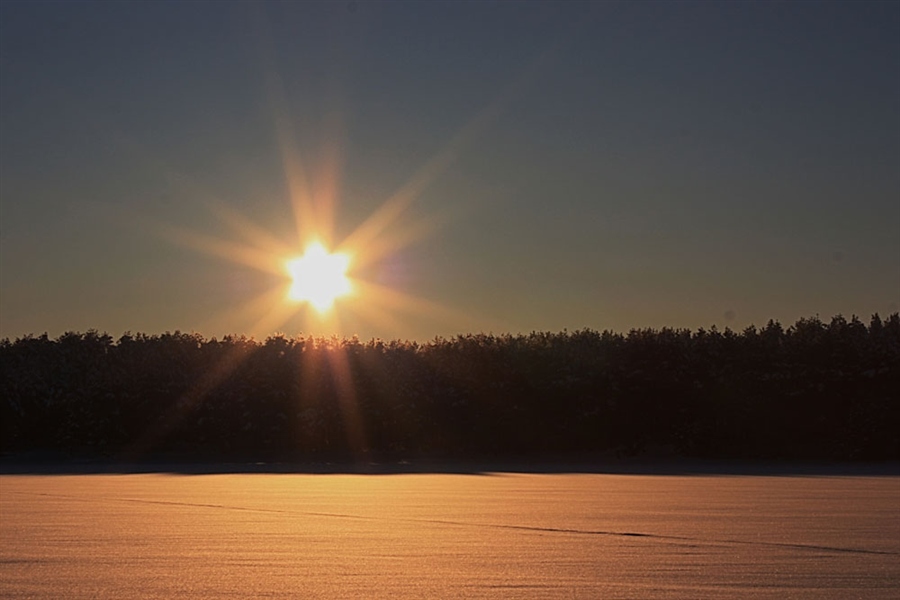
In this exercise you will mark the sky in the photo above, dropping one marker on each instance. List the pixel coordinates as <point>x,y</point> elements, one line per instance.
<point>496,167</point>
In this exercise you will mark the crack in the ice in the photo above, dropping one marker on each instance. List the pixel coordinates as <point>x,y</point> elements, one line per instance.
<point>488,525</point>
<point>660,536</point>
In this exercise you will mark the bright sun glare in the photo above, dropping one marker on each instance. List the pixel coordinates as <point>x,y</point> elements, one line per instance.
<point>318,277</point>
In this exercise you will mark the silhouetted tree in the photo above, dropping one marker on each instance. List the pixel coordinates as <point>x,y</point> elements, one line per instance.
<point>813,390</point>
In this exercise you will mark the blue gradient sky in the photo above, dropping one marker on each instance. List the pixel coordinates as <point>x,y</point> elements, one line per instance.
<point>577,165</point>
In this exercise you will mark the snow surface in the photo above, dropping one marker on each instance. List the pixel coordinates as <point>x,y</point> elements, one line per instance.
<point>448,536</point>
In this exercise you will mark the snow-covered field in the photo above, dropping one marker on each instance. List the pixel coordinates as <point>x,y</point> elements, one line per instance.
<point>448,536</point>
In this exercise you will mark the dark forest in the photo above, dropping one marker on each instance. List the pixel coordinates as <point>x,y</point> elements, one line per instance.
<point>815,390</point>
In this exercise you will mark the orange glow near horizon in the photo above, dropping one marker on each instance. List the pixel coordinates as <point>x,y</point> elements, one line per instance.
<point>313,283</point>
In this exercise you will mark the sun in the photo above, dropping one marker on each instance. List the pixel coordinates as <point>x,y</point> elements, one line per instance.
<point>318,277</point>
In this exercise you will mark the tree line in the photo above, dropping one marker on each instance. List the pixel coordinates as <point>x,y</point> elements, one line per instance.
<point>814,390</point>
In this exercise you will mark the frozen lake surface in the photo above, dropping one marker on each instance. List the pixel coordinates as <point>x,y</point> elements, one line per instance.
<point>449,536</point>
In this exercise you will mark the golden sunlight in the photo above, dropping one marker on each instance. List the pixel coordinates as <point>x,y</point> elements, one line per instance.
<point>318,277</point>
